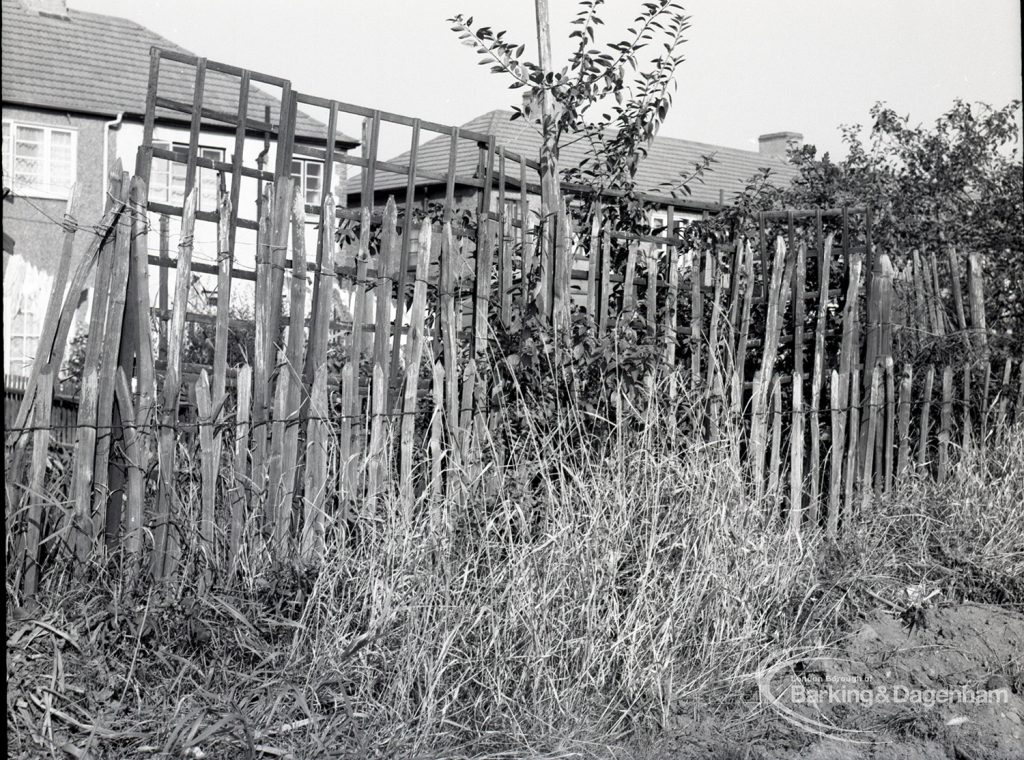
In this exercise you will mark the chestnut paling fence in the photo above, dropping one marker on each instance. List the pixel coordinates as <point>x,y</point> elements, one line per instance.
<point>787,333</point>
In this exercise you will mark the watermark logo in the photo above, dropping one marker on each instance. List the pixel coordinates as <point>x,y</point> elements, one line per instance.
<point>791,685</point>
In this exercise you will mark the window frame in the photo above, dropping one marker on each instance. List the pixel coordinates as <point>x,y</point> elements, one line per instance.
<point>45,188</point>
<point>303,175</point>
<point>166,167</point>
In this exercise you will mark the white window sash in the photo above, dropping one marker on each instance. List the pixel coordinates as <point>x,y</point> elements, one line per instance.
<point>45,186</point>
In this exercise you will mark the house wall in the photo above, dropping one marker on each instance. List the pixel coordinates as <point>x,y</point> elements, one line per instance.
<point>34,224</point>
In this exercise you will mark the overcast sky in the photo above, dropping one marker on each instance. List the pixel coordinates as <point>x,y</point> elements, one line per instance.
<point>753,66</point>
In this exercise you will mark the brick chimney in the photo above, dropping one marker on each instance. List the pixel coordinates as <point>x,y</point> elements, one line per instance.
<point>776,144</point>
<point>47,7</point>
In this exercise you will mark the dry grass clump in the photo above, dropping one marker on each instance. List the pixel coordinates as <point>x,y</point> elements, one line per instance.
<point>578,594</point>
<point>964,537</point>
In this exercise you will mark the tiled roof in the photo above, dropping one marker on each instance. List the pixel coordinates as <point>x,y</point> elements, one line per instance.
<point>97,64</point>
<point>667,159</point>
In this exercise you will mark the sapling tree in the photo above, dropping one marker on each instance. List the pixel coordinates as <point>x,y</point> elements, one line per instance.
<point>609,96</point>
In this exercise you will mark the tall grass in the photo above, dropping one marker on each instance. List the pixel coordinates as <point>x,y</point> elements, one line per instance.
<point>580,593</point>
<point>563,602</point>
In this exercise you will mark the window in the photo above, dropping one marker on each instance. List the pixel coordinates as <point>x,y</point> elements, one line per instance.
<point>167,178</point>
<point>310,178</point>
<point>39,161</point>
<point>26,291</point>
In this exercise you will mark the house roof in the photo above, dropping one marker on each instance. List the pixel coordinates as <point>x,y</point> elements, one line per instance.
<point>96,64</point>
<point>668,158</point>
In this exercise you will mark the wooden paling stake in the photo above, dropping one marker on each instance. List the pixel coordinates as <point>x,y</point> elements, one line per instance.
<point>817,375</point>
<point>449,329</point>
<point>593,257</point>
<point>165,552</point>
<point>1004,400</point>
<point>376,466</point>
<point>606,282</point>
<point>239,501</point>
<point>758,431</point>
<point>208,470</point>
<point>90,398</point>
<point>744,333</point>
<point>775,458</point>
<point>890,424</point>
<point>874,411</point>
<point>278,513</point>
<point>796,458</point>
<point>135,496</point>
<point>853,445</point>
<point>262,351</point>
<point>778,298</point>
<point>696,320</point>
<point>414,355</point>
<point>108,421</point>
<point>387,263</point>
<point>225,260</point>
<point>906,384</point>
<point>629,283</point>
<point>652,291</point>
<point>315,488</point>
<point>924,427</point>
<point>295,354</point>
<point>839,414</point>
<point>437,439</point>
<point>403,260</point>
<point>945,423</point>
<point>672,299</point>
